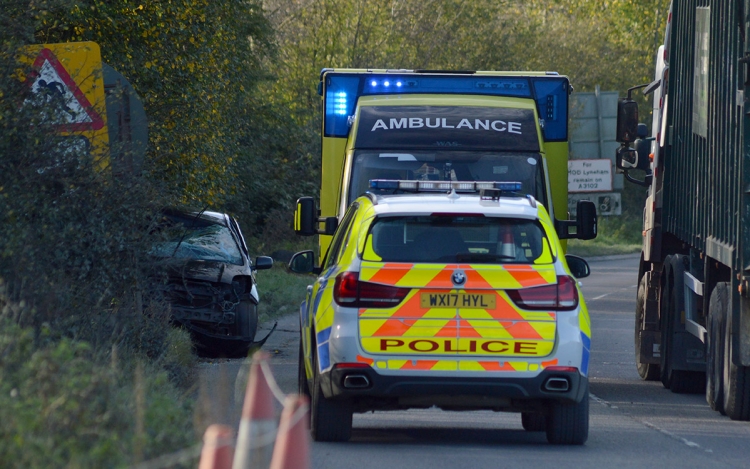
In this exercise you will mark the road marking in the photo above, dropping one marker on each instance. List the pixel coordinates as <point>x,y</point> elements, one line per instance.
<point>650,425</point>
<point>607,294</point>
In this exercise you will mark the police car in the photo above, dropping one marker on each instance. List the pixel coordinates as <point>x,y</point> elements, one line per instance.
<point>449,294</point>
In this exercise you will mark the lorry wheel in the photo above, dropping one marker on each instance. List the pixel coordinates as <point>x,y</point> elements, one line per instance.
<point>717,308</point>
<point>246,319</point>
<point>568,423</point>
<point>329,420</point>
<point>736,379</point>
<point>533,421</point>
<point>647,371</point>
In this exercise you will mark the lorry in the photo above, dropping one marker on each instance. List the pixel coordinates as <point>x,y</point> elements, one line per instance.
<point>433,125</point>
<point>692,321</point>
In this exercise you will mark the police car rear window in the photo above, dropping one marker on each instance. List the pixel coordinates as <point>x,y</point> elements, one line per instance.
<point>451,238</point>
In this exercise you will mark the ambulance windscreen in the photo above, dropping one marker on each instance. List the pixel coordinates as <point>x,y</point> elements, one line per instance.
<point>448,166</point>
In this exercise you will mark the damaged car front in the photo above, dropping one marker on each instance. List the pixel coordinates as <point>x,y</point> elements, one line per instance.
<point>210,280</point>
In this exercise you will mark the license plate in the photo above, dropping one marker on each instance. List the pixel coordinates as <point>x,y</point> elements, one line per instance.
<point>457,300</point>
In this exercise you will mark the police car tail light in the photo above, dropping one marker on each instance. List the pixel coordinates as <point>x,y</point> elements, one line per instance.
<point>349,291</point>
<point>561,296</point>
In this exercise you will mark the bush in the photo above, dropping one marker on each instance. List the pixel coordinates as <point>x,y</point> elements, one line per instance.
<point>63,404</point>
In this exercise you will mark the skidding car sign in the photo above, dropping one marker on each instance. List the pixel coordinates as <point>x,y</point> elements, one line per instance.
<point>430,126</point>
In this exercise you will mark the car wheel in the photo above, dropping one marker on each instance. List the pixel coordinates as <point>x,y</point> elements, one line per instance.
<point>330,420</point>
<point>246,319</point>
<point>533,421</point>
<point>568,423</point>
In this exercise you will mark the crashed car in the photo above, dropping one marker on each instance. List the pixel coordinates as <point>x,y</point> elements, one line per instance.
<point>210,280</point>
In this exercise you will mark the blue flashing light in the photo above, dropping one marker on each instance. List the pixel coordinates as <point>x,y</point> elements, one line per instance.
<point>344,89</point>
<point>551,96</point>
<point>508,186</point>
<point>387,184</point>
<point>340,99</point>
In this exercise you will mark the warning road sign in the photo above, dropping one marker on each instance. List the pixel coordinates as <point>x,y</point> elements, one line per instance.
<point>73,110</point>
<point>67,81</point>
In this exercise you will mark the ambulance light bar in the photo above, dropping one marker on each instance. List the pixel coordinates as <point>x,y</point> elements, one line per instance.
<point>341,92</point>
<point>443,186</point>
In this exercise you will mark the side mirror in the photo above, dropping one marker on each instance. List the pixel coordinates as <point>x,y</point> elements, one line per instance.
<point>578,266</point>
<point>586,219</point>
<point>306,219</point>
<point>263,263</point>
<point>626,158</point>
<point>585,222</point>
<point>627,120</point>
<point>302,262</point>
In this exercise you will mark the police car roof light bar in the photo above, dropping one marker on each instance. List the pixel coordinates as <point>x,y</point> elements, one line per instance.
<point>444,186</point>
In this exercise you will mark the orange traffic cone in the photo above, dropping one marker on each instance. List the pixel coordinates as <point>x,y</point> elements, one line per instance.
<point>217,450</point>
<point>258,424</point>
<point>293,442</point>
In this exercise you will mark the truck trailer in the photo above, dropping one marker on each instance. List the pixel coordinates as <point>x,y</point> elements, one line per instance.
<point>692,328</point>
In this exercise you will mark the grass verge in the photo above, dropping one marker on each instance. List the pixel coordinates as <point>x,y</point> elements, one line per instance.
<point>281,292</point>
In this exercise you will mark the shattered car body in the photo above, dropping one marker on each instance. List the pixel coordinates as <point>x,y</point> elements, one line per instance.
<point>210,280</point>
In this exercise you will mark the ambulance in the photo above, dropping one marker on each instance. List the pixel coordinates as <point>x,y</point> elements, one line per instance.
<point>455,294</point>
<point>436,125</point>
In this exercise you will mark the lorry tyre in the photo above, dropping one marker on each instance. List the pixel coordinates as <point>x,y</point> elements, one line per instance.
<point>533,421</point>
<point>568,423</point>
<point>647,371</point>
<point>736,378</point>
<point>246,319</point>
<point>329,420</point>
<point>717,313</point>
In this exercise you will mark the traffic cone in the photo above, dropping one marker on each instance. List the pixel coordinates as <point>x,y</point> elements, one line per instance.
<point>258,424</point>
<point>217,449</point>
<point>292,450</point>
<point>508,249</point>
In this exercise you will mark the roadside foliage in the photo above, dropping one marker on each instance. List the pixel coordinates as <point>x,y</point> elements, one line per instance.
<point>91,374</point>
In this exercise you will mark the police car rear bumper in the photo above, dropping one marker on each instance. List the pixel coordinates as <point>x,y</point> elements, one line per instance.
<point>491,392</point>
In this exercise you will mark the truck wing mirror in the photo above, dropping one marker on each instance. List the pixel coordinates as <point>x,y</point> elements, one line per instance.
<point>627,120</point>
<point>585,223</point>
<point>627,117</point>
<point>306,219</point>
<point>626,158</point>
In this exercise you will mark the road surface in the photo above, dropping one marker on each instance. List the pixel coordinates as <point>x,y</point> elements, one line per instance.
<point>632,424</point>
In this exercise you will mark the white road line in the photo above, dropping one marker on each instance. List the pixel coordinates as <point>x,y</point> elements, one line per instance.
<point>650,425</point>
<point>607,294</point>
